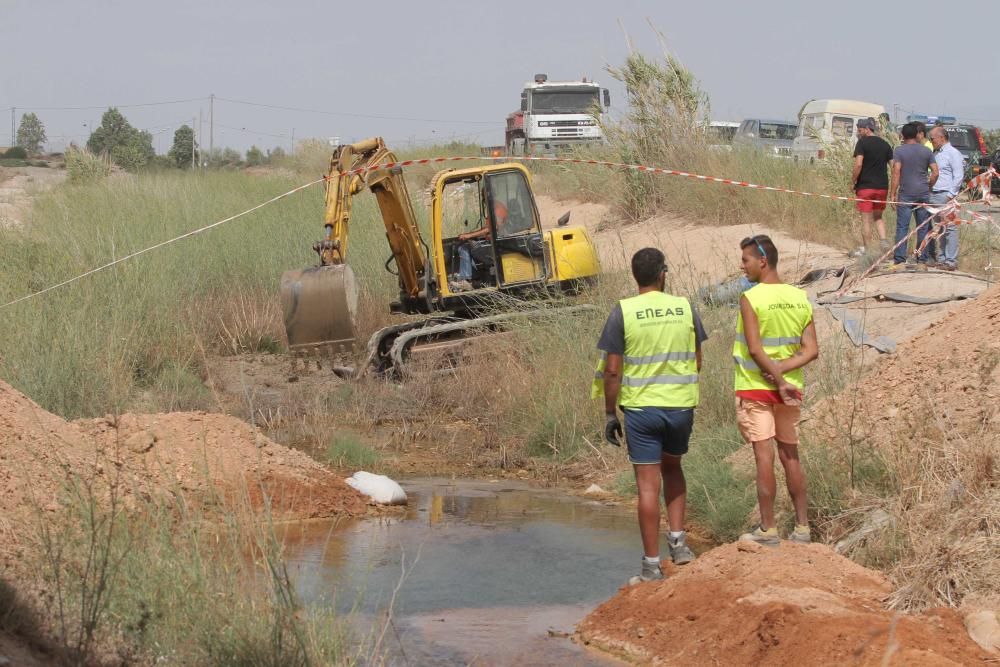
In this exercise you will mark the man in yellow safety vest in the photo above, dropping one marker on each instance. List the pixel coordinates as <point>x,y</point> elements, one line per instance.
<point>650,359</point>
<point>775,338</point>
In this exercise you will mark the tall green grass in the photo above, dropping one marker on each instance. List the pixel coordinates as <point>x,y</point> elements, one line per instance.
<point>96,345</point>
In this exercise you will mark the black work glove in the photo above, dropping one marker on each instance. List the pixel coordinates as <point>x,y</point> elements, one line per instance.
<point>613,430</point>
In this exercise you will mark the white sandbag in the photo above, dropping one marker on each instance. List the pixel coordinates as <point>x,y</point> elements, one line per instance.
<point>381,489</point>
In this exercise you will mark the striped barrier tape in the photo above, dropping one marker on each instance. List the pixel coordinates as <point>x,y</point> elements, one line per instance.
<point>632,167</point>
<point>952,206</point>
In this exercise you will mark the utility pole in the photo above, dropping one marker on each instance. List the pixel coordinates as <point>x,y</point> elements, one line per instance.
<point>201,133</point>
<point>211,123</point>
<point>292,152</point>
<point>193,143</point>
<point>13,135</point>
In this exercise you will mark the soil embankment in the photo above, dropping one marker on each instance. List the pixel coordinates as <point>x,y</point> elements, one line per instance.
<point>205,456</point>
<point>944,383</point>
<point>745,604</point>
<point>697,255</point>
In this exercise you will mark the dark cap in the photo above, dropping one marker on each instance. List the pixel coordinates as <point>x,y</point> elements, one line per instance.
<point>868,123</point>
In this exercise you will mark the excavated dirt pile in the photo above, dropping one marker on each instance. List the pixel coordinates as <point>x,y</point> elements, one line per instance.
<point>746,604</point>
<point>944,383</point>
<point>206,457</point>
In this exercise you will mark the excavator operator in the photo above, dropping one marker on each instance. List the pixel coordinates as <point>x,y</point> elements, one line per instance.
<point>475,248</point>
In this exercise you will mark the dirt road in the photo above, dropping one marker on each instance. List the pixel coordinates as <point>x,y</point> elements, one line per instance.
<point>18,184</point>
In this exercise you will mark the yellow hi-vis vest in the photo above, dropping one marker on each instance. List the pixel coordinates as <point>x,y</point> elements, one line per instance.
<point>783,312</point>
<point>659,368</point>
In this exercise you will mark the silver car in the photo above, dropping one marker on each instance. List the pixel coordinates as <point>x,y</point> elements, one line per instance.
<point>771,136</point>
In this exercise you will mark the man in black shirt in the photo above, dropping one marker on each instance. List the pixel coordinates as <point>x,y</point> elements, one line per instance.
<point>872,155</point>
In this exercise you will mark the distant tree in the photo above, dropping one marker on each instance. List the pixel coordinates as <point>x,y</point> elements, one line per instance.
<point>128,147</point>
<point>276,155</point>
<point>181,151</point>
<point>222,158</point>
<point>31,133</point>
<point>255,157</point>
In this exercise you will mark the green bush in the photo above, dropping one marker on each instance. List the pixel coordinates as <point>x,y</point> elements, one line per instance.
<point>16,153</point>
<point>347,451</point>
<point>82,166</point>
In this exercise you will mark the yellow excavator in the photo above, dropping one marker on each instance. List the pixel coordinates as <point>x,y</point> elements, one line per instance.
<point>488,255</point>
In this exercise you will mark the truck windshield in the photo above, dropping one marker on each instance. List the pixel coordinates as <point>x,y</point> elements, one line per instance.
<point>778,131</point>
<point>564,101</point>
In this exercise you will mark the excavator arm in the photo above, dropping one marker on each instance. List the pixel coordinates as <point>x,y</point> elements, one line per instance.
<point>320,302</point>
<point>349,174</point>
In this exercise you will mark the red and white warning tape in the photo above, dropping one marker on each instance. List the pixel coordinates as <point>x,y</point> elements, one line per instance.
<point>985,176</point>
<point>950,210</point>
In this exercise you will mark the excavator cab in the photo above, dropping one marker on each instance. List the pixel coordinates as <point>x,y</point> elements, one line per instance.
<point>493,204</point>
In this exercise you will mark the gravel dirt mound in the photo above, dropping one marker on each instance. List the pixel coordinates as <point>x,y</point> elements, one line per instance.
<point>944,383</point>
<point>745,604</point>
<point>206,456</point>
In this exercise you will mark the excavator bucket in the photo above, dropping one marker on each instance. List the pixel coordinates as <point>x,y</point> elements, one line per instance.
<point>319,305</point>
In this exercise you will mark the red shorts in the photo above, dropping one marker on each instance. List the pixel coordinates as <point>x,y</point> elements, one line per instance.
<point>868,193</point>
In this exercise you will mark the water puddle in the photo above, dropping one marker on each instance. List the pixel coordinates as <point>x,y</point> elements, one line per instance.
<point>476,572</point>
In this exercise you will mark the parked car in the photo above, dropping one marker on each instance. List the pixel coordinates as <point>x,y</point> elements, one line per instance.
<point>823,122</point>
<point>968,140</point>
<point>771,136</point>
<point>995,182</point>
<point>721,132</point>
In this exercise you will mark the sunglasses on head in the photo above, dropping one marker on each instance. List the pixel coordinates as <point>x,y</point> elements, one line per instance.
<point>753,239</point>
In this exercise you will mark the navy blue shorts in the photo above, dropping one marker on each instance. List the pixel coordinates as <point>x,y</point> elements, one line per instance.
<point>652,433</point>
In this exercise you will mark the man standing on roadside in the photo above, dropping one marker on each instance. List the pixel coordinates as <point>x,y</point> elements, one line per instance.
<point>775,338</point>
<point>872,155</point>
<point>910,186</point>
<point>650,360</point>
<point>951,175</point>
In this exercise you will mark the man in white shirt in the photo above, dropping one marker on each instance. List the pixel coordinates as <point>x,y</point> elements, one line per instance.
<point>951,176</point>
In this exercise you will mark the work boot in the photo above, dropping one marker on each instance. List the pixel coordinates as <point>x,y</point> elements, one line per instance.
<point>801,535</point>
<point>649,572</point>
<point>768,537</point>
<point>680,553</point>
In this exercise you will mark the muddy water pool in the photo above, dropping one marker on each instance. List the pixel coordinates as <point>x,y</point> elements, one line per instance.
<point>483,573</point>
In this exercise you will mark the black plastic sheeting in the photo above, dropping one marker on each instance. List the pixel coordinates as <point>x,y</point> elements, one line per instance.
<point>854,330</point>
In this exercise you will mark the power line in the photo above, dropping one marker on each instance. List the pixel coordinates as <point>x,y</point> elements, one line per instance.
<point>117,106</point>
<point>357,115</point>
<point>248,131</point>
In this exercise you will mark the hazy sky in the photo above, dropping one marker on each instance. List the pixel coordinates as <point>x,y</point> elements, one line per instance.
<point>461,65</point>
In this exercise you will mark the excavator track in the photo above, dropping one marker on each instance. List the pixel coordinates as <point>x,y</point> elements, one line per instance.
<point>389,348</point>
<point>377,359</point>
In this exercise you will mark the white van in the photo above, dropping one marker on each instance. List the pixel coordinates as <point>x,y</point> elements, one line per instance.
<point>823,122</point>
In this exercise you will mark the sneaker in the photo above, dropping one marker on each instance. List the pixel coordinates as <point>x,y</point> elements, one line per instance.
<point>801,535</point>
<point>460,285</point>
<point>860,252</point>
<point>768,537</point>
<point>948,267</point>
<point>649,572</point>
<point>680,553</point>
